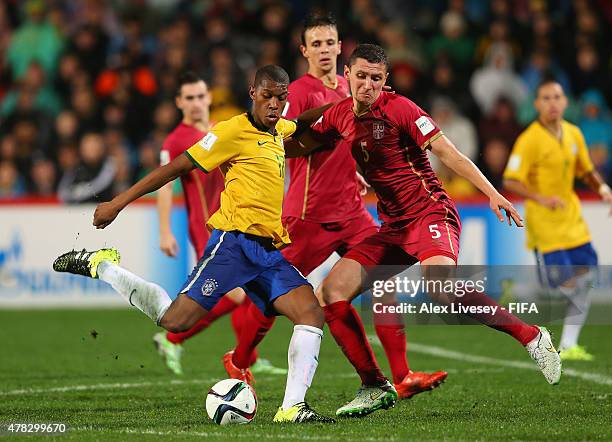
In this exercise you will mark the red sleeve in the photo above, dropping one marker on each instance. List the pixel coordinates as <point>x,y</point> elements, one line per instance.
<point>325,129</point>
<point>297,101</point>
<point>415,122</point>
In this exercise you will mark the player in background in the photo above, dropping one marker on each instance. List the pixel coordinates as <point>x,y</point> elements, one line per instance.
<point>246,234</point>
<point>389,135</point>
<point>202,192</point>
<point>324,211</point>
<point>544,162</point>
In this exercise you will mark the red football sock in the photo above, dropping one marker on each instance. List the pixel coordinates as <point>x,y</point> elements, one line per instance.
<point>254,328</point>
<point>239,315</point>
<point>223,307</point>
<point>502,320</point>
<point>346,327</point>
<point>390,330</point>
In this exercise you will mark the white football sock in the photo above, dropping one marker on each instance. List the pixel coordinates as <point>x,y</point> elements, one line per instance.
<point>577,310</point>
<point>149,298</point>
<point>303,357</point>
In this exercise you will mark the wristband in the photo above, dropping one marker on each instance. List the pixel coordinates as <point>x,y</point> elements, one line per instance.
<point>604,189</point>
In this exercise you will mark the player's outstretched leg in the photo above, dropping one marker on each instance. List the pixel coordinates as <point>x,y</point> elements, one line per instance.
<point>149,298</point>
<point>536,340</point>
<point>302,308</point>
<point>337,290</point>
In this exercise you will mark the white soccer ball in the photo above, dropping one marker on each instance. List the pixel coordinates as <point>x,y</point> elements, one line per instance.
<point>231,401</point>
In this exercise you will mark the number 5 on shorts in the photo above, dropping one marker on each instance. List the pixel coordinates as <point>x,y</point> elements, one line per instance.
<point>435,233</point>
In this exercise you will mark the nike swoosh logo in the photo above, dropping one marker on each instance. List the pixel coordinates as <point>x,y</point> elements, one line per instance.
<point>550,349</point>
<point>131,293</point>
<point>261,143</point>
<point>375,396</point>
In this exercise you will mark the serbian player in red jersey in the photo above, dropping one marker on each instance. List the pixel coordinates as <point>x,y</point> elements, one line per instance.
<point>323,209</point>
<point>388,136</point>
<point>202,198</point>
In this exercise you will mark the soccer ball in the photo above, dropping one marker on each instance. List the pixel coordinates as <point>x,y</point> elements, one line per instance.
<point>231,401</point>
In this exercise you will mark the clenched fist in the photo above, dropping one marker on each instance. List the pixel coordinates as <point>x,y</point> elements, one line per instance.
<point>105,214</point>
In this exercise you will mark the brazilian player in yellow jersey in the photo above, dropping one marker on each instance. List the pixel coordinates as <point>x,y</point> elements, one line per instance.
<point>254,168</point>
<point>545,160</point>
<point>243,247</point>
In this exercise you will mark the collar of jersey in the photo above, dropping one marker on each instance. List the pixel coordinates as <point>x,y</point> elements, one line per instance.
<point>259,127</point>
<point>307,74</point>
<point>546,130</point>
<point>372,108</point>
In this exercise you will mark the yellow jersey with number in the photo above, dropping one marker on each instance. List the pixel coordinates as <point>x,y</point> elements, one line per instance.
<point>549,166</point>
<point>253,163</point>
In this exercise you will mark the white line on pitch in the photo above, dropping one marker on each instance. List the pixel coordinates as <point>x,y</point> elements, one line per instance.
<point>222,434</point>
<point>118,386</point>
<point>459,356</point>
<point>102,386</point>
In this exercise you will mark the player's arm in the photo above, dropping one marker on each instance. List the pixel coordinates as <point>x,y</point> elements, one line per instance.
<point>106,212</point>
<point>520,165</point>
<point>520,189</point>
<point>304,141</point>
<point>446,151</point>
<point>587,173</point>
<point>307,118</point>
<point>596,183</point>
<point>167,241</point>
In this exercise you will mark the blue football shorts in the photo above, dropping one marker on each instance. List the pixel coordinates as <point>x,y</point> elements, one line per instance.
<point>236,259</point>
<point>556,267</point>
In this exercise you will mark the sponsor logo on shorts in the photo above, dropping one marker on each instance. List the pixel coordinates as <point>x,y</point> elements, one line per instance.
<point>209,286</point>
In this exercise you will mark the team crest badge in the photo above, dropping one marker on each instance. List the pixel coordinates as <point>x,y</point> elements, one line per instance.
<point>209,286</point>
<point>378,130</point>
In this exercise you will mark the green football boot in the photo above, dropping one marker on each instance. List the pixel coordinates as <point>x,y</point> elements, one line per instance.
<point>576,353</point>
<point>368,400</point>
<point>264,366</point>
<point>170,353</point>
<point>85,263</point>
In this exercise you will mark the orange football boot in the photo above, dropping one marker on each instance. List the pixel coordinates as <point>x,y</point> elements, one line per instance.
<point>244,374</point>
<point>416,382</point>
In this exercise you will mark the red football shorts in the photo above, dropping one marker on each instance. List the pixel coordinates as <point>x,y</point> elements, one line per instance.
<point>312,243</point>
<point>409,241</point>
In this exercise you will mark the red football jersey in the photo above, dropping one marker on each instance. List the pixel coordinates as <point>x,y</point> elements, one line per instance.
<point>322,186</point>
<point>389,143</point>
<point>202,191</point>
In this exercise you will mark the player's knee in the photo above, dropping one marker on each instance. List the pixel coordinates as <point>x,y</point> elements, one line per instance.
<point>174,323</point>
<point>331,291</point>
<point>311,315</point>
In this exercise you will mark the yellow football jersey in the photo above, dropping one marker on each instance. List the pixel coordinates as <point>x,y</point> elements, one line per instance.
<point>548,166</point>
<point>253,162</point>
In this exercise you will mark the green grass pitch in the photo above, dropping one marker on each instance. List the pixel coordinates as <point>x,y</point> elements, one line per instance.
<point>113,386</point>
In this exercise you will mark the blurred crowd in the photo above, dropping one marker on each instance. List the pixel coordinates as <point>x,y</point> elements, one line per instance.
<point>87,87</point>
